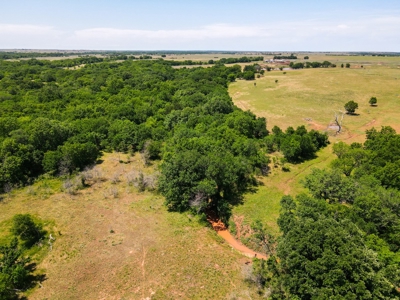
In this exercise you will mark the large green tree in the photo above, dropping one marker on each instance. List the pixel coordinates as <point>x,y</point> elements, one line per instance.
<point>14,274</point>
<point>351,107</point>
<point>26,229</point>
<point>322,256</point>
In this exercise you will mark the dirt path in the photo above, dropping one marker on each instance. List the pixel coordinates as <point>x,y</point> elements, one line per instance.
<point>223,232</point>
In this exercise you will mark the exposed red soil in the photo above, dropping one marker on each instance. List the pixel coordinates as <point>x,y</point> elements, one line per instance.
<point>316,126</point>
<point>223,232</point>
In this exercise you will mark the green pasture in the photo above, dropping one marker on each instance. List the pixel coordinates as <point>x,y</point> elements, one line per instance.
<point>311,97</point>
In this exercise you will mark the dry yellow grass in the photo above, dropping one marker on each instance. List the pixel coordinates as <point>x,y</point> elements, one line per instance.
<point>113,242</point>
<point>316,94</point>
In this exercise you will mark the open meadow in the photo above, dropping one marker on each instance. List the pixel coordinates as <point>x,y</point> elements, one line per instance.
<point>113,242</point>
<point>311,97</point>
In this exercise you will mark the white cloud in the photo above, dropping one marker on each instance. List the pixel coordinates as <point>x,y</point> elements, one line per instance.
<point>29,36</point>
<point>206,32</point>
<point>369,34</point>
<point>6,29</point>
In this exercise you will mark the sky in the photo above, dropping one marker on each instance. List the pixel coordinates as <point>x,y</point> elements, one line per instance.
<point>252,25</point>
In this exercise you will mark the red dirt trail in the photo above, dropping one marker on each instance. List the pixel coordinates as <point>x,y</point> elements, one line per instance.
<point>223,232</point>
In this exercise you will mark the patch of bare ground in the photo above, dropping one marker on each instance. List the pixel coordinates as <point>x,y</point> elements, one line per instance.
<point>314,125</point>
<point>223,232</point>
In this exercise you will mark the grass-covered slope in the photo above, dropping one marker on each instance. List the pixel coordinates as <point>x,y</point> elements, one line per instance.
<point>114,242</point>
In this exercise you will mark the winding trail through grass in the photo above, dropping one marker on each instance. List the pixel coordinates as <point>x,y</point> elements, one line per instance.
<point>223,232</point>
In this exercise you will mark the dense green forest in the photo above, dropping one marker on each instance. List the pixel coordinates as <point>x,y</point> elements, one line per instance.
<point>339,242</point>
<point>342,241</point>
<point>56,120</point>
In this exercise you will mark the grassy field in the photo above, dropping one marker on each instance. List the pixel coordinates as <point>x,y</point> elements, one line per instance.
<point>113,242</point>
<point>310,97</point>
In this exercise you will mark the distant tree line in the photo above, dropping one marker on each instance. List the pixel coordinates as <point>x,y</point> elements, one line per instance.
<point>231,60</point>
<point>300,65</point>
<point>18,55</point>
<point>291,56</point>
<point>244,59</point>
<point>90,59</point>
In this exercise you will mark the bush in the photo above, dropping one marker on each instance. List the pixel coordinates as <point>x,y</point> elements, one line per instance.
<point>351,107</point>
<point>249,75</point>
<point>231,77</point>
<point>154,149</point>
<point>26,229</point>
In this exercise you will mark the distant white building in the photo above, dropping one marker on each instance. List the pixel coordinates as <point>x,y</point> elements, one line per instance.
<point>278,61</point>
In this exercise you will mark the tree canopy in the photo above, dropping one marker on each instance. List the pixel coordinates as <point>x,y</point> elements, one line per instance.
<point>323,256</point>
<point>351,107</point>
<point>372,101</point>
<point>58,120</point>
<point>342,240</point>
<point>296,145</point>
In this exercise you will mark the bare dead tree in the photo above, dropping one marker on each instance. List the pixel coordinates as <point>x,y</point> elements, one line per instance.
<point>65,165</point>
<point>50,243</point>
<point>87,175</point>
<point>143,182</point>
<point>72,186</point>
<point>145,154</point>
<point>131,177</point>
<point>97,175</point>
<point>339,115</point>
<point>151,181</point>
<point>8,188</point>
<point>238,220</point>
<point>114,192</point>
<point>30,190</point>
<point>197,201</point>
<point>115,178</point>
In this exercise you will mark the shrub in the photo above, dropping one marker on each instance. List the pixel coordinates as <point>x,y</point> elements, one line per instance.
<point>249,75</point>
<point>373,101</point>
<point>26,229</point>
<point>351,107</point>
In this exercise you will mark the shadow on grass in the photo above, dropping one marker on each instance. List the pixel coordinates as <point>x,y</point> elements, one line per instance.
<point>33,280</point>
<point>300,160</point>
<point>99,161</point>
